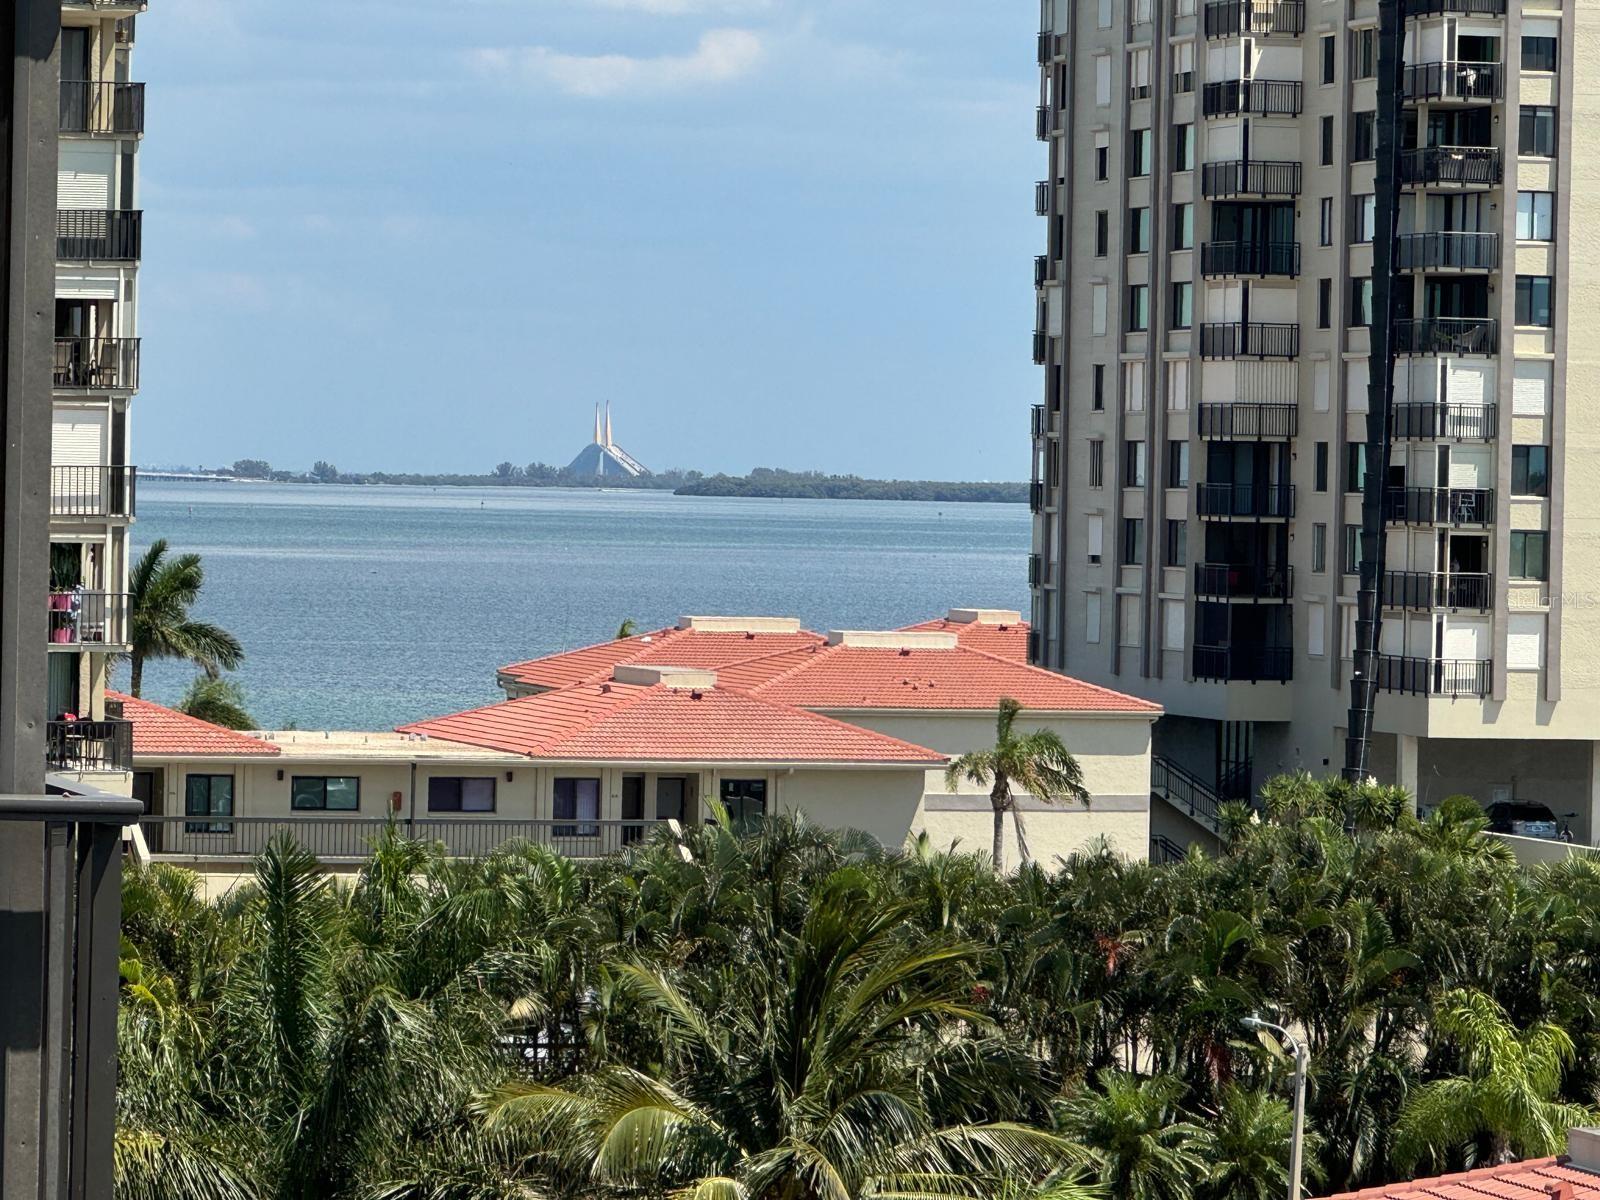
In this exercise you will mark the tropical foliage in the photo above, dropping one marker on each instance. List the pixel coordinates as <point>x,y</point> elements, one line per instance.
<point>796,1014</point>
<point>217,700</point>
<point>161,592</point>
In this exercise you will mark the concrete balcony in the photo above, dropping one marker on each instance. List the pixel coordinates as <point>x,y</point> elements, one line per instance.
<point>1427,591</point>
<point>1242,421</point>
<point>1256,260</point>
<point>89,745</point>
<point>1451,167</point>
<point>1445,422</point>
<point>1448,335</point>
<point>1253,97</point>
<point>80,620</point>
<point>1244,664</point>
<point>1253,500</point>
<point>1246,179</point>
<point>1243,581</point>
<point>1451,677</point>
<point>92,492</point>
<point>98,235</point>
<point>102,109</point>
<point>1448,251</point>
<point>1439,506</point>
<point>1454,82</point>
<point>1253,339</point>
<point>1255,18</point>
<point>96,364</point>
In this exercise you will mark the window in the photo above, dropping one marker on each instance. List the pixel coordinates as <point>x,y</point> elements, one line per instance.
<point>1533,300</point>
<point>1330,55</point>
<point>1530,470</point>
<point>461,793</point>
<point>1364,53</point>
<point>1183,147</point>
<point>1530,555</point>
<point>331,793</point>
<point>1134,393</point>
<point>1327,141</point>
<point>1177,544</point>
<point>1138,308</point>
<point>1098,308</point>
<point>1536,216</point>
<point>746,802</point>
<point>1536,131</point>
<point>1352,549</point>
<point>1133,464</point>
<point>1321,481</point>
<point>1091,618</point>
<point>208,796</point>
<point>1139,73</point>
<point>1355,463</point>
<point>1363,136</point>
<point>1096,538</point>
<point>1319,548</point>
<point>1183,227</point>
<point>1102,79</point>
<point>1102,233</point>
<point>1138,231</point>
<point>1325,234</point>
<point>1363,216</point>
<point>1177,464</point>
<point>1133,541</point>
<point>1182,305</point>
<point>1324,304</point>
<point>1102,158</point>
<point>1097,464</point>
<point>1360,302</point>
<point>1183,68</point>
<point>1539,53</point>
<point>576,800</point>
<point>1097,397</point>
<point>1139,152</point>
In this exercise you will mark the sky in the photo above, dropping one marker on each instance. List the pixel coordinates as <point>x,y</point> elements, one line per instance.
<point>430,235</point>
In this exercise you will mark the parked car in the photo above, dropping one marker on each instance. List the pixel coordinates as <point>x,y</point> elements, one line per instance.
<point>1525,819</point>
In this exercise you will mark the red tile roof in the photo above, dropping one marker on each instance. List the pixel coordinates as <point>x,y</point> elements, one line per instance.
<point>847,677</point>
<point>619,722</point>
<point>160,732</point>
<point>1532,1179</point>
<point>1009,642</point>
<point>671,647</point>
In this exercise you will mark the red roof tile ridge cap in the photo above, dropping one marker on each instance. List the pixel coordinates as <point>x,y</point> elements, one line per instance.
<point>1135,701</point>
<point>628,695</point>
<point>636,638</point>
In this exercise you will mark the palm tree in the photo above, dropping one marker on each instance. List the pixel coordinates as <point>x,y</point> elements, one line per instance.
<point>217,700</point>
<point>1504,1101</point>
<point>1037,762</point>
<point>627,629</point>
<point>1146,1149</point>
<point>161,592</point>
<point>1245,1146</point>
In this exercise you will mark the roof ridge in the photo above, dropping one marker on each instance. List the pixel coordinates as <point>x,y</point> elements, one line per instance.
<point>636,638</point>
<point>637,694</point>
<point>818,654</point>
<point>871,734</point>
<point>1057,675</point>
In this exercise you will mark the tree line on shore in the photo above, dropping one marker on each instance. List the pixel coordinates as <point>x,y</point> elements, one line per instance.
<point>797,1014</point>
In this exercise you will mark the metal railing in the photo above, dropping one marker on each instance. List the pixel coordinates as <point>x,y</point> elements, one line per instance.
<point>1462,422</point>
<point>1244,664</point>
<point>1448,251</point>
<point>1250,177</point>
<point>92,491</point>
<point>1041,197</point>
<point>1454,81</point>
<point>1040,427</point>
<point>109,108</point>
<point>1041,123</point>
<point>1245,499</point>
<point>1236,339</point>
<point>1041,347</point>
<point>1229,422</point>
<point>1036,496</point>
<point>138,5</point>
<point>1423,591</point>
<point>1164,852</point>
<point>1453,677</point>
<point>1440,505</point>
<point>1185,792</point>
<point>1466,8</point>
<point>1041,270</point>
<point>89,745</point>
<point>98,235</point>
<point>1257,18</point>
<point>81,618</point>
<point>1045,47</point>
<point>1447,335</point>
<point>1035,570</point>
<point>1258,97</point>
<point>1250,258</point>
<point>222,835</point>
<point>97,363</point>
<point>1465,166</point>
<point>1250,581</point>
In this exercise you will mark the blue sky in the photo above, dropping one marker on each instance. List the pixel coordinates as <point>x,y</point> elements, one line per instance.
<point>431,234</point>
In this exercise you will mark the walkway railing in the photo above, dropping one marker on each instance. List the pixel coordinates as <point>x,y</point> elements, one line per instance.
<point>1186,793</point>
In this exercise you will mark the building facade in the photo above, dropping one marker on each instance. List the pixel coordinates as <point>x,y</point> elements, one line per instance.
<point>95,376</point>
<point>1203,311</point>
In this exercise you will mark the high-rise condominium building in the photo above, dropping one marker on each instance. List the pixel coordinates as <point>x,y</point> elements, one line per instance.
<point>96,374</point>
<point>1203,312</point>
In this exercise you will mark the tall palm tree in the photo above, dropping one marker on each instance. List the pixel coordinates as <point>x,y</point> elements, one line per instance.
<point>217,700</point>
<point>1036,762</point>
<point>161,591</point>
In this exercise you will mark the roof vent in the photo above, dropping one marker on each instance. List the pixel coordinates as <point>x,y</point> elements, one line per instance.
<point>984,616</point>
<point>641,675</point>
<point>903,640</point>
<point>746,625</point>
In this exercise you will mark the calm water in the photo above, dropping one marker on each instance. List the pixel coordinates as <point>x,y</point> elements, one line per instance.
<point>360,608</point>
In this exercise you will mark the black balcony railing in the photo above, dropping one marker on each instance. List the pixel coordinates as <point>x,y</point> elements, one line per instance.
<point>1039,426</point>
<point>1164,852</point>
<point>1041,347</point>
<point>98,235</point>
<point>1460,166</point>
<point>1041,122</point>
<point>130,5</point>
<point>1041,197</point>
<point>1247,581</point>
<point>83,618</point>
<point>1036,496</point>
<point>108,108</point>
<point>1041,270</point>
<point>1424,591</point>
<point>1440,506</point>
<point>1460,422</point>
<point>1235,339</point>
<point>1257,18</point>
<point>1465,8</point>
<point>97,364</point>
<point>89,745</point>
<point>1046,47</point>
<point>92,491</point>
<point>1451,251</point>
<point>1452,677</point>
<point>1185,792</point>
<point>1245,499</point>
<point>1454,81</point>
<point>1257,97</point>
<point>1448,335</point>
<point>1248,177</point>
<point>1250,258</point>
<point>1230,422</point>
<point>1244,664</point>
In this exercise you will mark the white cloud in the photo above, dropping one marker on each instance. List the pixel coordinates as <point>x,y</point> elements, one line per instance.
<point>720,56</point>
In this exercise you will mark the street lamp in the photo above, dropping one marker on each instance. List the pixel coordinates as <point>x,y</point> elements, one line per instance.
<point>1302,1062</point>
